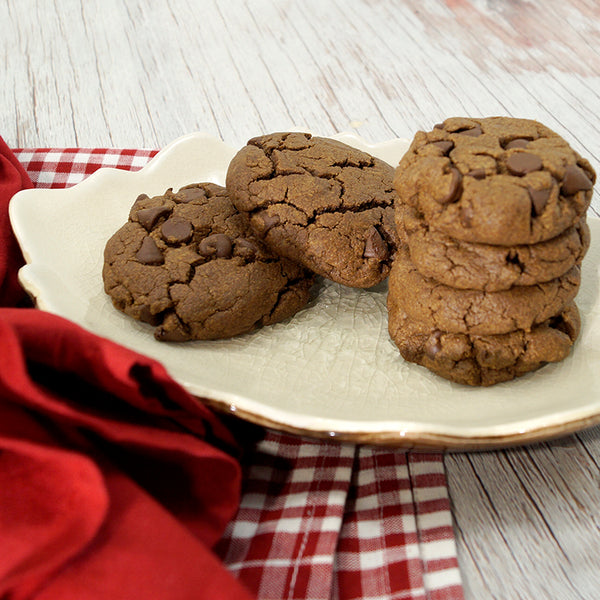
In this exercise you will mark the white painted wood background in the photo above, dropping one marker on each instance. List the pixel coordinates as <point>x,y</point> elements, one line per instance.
<point>140,73</point>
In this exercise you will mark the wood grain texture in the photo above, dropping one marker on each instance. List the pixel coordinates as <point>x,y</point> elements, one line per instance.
<point>140,73</point>
<point>526,521</point>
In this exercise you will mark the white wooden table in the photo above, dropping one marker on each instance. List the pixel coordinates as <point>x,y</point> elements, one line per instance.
<point>140,73</point>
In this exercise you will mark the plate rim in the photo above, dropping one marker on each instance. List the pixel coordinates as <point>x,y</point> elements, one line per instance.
<point>424,440</point>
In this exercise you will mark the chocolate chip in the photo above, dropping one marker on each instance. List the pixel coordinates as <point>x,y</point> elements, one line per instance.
<point>177,230</point>
<point>375,246</point>
<point>477,173</point>
<point>539,199</point>
<point>149,253</point>
<point>473,132</point>
<point>438,126</point>
<point>444,146</point>
<point>217,244</point>
<point>142,197</point>
<point>269,221</point>
<point>149,217</point>
<point>575,180</point>
<point>517,143</point>
<point>189,194</point>
<point>433,345</point>
<point>454,189</point>
<point>521,163</point>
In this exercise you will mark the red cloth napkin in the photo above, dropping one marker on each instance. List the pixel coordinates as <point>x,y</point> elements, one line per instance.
<point>318,520</point>
<point>13,179</point>
<point>114,482</point>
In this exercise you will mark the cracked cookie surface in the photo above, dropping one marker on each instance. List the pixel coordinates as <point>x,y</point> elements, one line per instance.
<point>474,311</point>
<point>495,180</point>
<point>468,265</point>
<point>480,360</point>
<point>189,264</point>
<point>318,202</point>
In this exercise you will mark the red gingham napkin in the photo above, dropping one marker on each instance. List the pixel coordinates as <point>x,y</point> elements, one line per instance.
<point>64,167</point>
<point>318,520</point>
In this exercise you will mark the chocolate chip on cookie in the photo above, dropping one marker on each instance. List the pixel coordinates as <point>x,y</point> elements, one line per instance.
<point>149,253</point>
<point>189,264</point>
<point>515,182</point>
<point>318,202</point>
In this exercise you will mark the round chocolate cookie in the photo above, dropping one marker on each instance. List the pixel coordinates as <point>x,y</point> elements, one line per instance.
<point>468,265</point>
<point>484,360</point>
<point>189,264</point>
<point>477,312</point>
<point>318,202</point>
<point>495,180</point>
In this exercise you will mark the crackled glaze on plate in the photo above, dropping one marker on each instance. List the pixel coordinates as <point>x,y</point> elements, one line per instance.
<point>331,370</point>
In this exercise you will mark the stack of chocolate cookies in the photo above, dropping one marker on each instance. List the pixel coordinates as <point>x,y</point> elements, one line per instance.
<point>491,213</point>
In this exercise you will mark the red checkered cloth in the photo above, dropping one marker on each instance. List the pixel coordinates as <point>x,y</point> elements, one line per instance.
<point>64,167</point>
<point>318,520</point>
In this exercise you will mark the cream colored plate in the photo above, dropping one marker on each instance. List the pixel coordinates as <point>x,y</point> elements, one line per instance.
<point>332,369</point>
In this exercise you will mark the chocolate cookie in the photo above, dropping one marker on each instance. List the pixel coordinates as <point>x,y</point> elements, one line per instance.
<point>495,180</point>
<point>476,312</point>
<point>188,263</point>
<point>467,265</point>
<point>318,202</point>
<point>484,360</point>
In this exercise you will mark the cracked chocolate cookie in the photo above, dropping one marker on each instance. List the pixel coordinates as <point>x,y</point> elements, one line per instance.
<point>495,180</point>
<point>476,312</point>
<point>318,202</point>
<point>480,360</point>
<point>468,265</point>
<point>189,264</point>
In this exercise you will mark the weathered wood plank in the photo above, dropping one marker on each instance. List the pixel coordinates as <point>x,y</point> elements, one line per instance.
<point>537,507</point>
